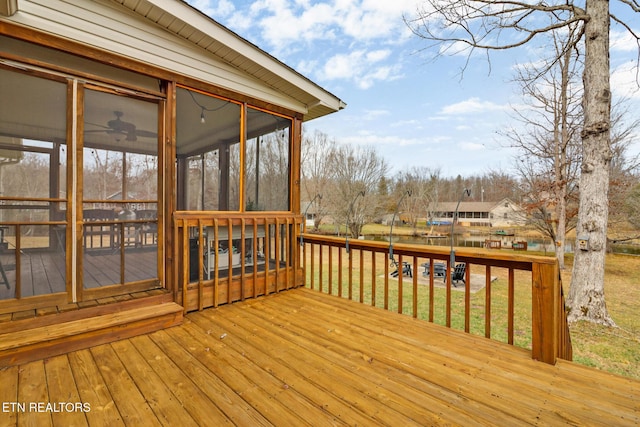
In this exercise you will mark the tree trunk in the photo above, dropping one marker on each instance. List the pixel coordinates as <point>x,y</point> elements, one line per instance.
<point>561,167</point>
<point>586,296</point>
<point>561,231</point>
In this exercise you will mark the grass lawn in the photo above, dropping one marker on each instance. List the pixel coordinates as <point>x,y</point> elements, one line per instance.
<point>616,350</point>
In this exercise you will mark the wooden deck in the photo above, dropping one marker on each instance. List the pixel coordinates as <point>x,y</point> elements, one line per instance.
<point>304,358</point>
<point>43,272</point>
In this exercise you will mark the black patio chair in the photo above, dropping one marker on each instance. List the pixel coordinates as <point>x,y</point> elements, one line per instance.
<point>458,274</point>
<point>406,269</point>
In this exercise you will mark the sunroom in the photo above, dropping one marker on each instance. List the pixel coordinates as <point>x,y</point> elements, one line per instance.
<point>144,149</point>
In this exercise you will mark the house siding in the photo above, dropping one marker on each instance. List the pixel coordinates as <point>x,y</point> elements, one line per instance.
<point>118,30</point>
<point>502,214</point>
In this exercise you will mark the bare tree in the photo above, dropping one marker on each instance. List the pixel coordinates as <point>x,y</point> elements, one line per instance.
<point>632,207</point>
<point>624,165</point>
<point>422,183</point>
<point>504,24</point>
<point>357,174</point>
<point>548,142</point>
<point>103,173</point>
<point>317,153</point>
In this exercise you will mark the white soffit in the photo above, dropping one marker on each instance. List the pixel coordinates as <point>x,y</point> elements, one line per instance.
<point>187,22</point>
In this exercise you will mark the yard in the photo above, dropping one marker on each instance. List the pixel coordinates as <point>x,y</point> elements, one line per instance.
<point>615,350</point>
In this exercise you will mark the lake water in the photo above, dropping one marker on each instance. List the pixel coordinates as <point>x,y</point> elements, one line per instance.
<point>477,241</point>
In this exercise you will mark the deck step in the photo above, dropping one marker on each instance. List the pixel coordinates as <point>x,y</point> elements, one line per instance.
<point>44,341</point>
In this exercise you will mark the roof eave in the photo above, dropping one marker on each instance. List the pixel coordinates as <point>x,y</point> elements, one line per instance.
<point>319,102</point>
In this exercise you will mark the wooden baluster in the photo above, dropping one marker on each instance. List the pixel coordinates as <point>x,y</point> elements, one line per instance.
<point>185,265</point>
<point>510,306</point>
<point>361,260</point>
<point>373,278</point>
<point>386,281</point>
<point>313,264</point>
<point>340,271</point>
<point>254,258</point>
<point>400,268</point>
<point>243,255</point>
<point>330,269</point>
<point>200,266</point>
<point>448,294</point>
<point>431,291</point>
<point>320,267</point>
<point>350,274</point>
<point>467,298</point>
<point>216,270</point>
<point>487,301</point>
<point>415,287</point>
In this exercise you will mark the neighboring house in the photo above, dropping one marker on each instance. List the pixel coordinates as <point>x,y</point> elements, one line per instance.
<point>309,210</point>
<point>178,112</point>
<point>504,213</point>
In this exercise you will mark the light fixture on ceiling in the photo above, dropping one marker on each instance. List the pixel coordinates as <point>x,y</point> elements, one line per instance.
<point>203,108</point>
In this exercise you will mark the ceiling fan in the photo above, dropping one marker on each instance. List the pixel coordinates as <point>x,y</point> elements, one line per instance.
<point>118,127</point>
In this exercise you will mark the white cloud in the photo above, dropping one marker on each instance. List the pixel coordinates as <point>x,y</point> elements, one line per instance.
<point>285,22</point>
<point>404,123</point>
<point>472,106</point>
<point>374,114</point>
<point>340,34</point>
<point>625,80</point>
<point>374,139</point>
<point>223,9</point>
<point>622,41</point>
<point>472,146</point>
<point>457,48</point>
<point>361,67</point>
<point>374,19</point>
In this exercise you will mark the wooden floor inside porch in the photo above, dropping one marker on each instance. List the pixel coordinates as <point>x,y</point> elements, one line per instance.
<point>304,358</point>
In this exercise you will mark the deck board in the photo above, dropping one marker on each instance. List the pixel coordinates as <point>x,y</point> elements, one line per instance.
<point>226,402</point>
<point>43,272</point>
<point>337,346</point>
<point>9,394</point>
<point>258,389</point>
<point>93,390</point>
<point>161,400</point>
<point>384,401</point>
<point>132,404</point>
<point>282,374</point>
<point>192,398</point>
<point>304,358</point>
<point>60,383</point>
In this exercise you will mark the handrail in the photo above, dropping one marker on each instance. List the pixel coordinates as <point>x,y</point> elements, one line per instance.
<point>549,329</point>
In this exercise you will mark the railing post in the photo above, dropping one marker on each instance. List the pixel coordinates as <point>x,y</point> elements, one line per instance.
<point>545,312</point>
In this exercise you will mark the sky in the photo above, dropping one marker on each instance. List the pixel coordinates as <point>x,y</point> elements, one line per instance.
<point>415,107</point>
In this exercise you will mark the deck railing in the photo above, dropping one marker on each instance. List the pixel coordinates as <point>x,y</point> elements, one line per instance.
<point>517,288</point>
<point>221,258</point>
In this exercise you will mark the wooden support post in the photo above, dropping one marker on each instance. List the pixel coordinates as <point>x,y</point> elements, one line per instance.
<point>545,315</point>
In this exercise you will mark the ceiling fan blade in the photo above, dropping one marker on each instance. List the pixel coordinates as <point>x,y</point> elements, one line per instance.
<point>146,134</point>
<point>96,125</point>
